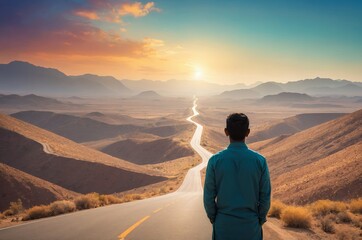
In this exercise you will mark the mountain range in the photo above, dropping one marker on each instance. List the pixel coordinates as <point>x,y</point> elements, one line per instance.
<point>25,78</point>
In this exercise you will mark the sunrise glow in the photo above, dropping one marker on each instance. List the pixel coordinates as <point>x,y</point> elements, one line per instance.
<point>239,41</point>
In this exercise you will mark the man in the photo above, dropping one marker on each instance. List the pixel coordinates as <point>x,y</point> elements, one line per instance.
<point>237,186</point>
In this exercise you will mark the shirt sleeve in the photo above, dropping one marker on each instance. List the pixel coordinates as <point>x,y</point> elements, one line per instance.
<point>210,191</point>
<point>264,193</point>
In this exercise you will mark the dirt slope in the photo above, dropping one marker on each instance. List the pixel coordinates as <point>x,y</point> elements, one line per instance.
<point>69,165</point>
<point>323,161</point>
<point>291,125</point>
<point>79,129</point>
<point>148,152</point>
<point>16,184</point>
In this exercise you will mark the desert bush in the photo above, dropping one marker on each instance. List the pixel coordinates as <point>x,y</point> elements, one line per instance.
<point>357,222</point>
<point>131,197</point>
<point>356,206</point>
<point>14,208</point>
<point>61,207</point>
<point>91,200</point>
<point>344,217</point>
<point>298,217</point>
<point>347,235</point>
<point>276,209</point>
<point>327,224</point>
<point>324,207</point>
<point>163,190</point>
<point>8,212</point>
<point>109,199</point>
<point>37,212</point>
<point>17,206</point>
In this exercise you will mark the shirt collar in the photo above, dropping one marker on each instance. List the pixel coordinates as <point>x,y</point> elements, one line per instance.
<point>237,145</point>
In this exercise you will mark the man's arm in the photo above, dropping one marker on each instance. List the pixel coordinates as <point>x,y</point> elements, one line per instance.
<point>210,191</point>
<point>264,193</point>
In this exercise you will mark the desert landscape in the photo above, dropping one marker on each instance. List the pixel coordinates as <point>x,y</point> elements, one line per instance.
<point>110,111</point>
<point>138,146</point>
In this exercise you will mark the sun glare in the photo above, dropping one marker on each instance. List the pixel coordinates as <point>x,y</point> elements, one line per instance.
<point>198,73</point>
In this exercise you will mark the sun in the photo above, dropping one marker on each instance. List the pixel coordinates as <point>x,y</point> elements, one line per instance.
<point>198,73</point>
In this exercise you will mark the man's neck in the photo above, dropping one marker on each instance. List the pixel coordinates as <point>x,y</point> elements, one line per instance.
<point>233,141</point>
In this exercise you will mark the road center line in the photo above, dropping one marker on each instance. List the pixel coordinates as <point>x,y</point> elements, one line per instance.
<point>157,210</point>
<point>123,235</point>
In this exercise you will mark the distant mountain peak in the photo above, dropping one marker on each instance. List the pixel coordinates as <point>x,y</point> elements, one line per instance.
<point>149,94</point>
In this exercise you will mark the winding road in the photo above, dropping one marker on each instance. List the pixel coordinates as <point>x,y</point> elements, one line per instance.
<point>176,216</point>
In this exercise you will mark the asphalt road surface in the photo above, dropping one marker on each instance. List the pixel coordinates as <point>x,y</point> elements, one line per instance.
<point>175,216</point>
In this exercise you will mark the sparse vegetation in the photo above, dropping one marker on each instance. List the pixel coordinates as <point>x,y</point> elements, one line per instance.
<point>326,215</point>
<point>327,224</point>
<point>14,208</point>
<point>298,217</point>
<point>324,207</point>
<point>347,235</point>
<point>109,199</point>
<point>37,212</point>
<point>276,209</point>
<point>61,207</point>
<point>90,200</point>
<point>344,217</point>
<point>356,206</point>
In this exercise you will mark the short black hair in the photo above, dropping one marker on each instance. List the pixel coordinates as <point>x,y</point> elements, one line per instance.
<point>237,125</point>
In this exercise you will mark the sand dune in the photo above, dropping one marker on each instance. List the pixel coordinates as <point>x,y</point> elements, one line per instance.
<point>86,170</point>
<point>148,152</point>
<point>316,162</point>
<point>16,184</point>
<point>291,125</point>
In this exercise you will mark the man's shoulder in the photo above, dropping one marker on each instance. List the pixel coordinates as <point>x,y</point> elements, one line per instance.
<point>256,154</point>
<point>219,154</point>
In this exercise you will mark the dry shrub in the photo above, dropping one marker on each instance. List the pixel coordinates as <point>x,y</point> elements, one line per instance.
<point>61,207</point>
<point>327,224</point>
<point>297,217</point>
<point>14,208</point>
<point>276,209</point>
<point>8,212</point>
<point>347,235</point>
<point>17,206</point>
<point>37,212</point>
<point>132,197</point>
<point>109,199</point>
<point>163,190</point>
<point>324,207</point>
<point>356,206</point>
<point>357,222</point>
<point>91,200</point>
<point>344,217</point>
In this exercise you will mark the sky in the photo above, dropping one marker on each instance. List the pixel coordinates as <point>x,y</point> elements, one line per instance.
<point>217,41</point>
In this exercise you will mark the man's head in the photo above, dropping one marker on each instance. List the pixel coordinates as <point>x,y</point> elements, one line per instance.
<point>237,126</point>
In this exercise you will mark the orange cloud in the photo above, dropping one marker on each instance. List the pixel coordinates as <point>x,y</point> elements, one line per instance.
<point>88,14</point>
<point>137,9</point>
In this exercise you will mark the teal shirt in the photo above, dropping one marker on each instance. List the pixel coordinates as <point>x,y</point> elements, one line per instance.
<point>237,184</point>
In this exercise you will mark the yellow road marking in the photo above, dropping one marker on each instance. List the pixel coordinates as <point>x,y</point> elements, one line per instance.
<point>157,210</point>
<point>123,235</point>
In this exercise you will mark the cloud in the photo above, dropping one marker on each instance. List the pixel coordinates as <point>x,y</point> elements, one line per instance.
<point>137,9</point>
<point>87,14</point>
<point>63,27</point>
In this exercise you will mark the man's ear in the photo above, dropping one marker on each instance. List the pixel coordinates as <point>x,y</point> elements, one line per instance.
<point>226,132</point>
<point>247,132</point>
